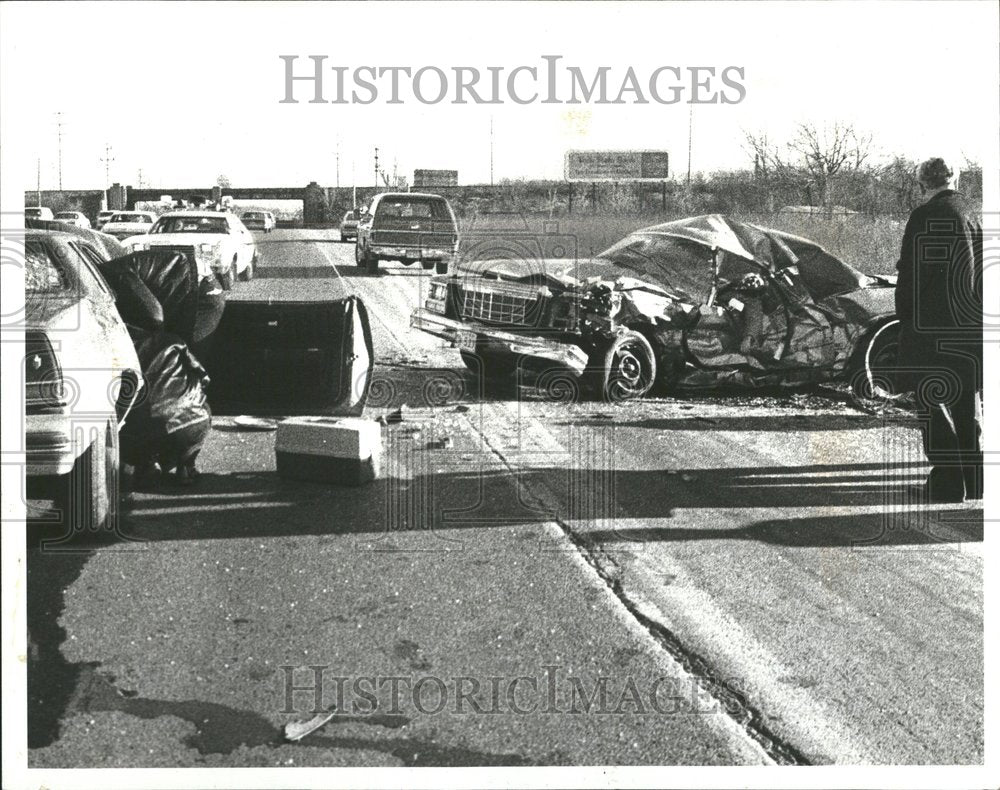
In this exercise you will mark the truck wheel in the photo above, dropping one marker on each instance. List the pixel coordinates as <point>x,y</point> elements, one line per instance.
<point>625,370</point>
<point>87,497</point>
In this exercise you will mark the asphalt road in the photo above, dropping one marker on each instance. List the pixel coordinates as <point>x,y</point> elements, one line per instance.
<point>732,580</point>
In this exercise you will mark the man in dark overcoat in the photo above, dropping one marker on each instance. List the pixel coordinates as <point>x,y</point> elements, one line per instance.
<point>939,303</point>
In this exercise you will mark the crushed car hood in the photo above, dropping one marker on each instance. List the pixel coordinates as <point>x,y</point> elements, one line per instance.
<point>559,273</point>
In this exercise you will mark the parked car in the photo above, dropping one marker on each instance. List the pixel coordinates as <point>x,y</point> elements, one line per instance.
<point>108,246</point>
<point>129,223</point>
<point>349,225</point>
<point>73,218</point>
<point>38,212</point>
<point>259,220</point>
<point>220,241</point>
<point>697,303</point>
<point>81,378</point>
<point>409,227</point>
<point>103,217</point>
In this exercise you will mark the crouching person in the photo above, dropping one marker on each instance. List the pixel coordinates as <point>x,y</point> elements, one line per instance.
<point>168,427</point>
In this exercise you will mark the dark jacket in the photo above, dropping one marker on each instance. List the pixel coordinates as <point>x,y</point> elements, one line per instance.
<point>939,297</point>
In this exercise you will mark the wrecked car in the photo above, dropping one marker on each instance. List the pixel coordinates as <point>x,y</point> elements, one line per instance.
<point>697,303</point>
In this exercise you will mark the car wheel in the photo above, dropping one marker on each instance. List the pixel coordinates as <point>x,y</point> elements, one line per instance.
<point>247,274</point>
<point>625,370</point>
<point>495,372</point>
<point>87,497</point>
<point>227,278</point>
<point>872,380</point>
<point>370,264</point>
<point>427,265</point>
<point>441,267</point>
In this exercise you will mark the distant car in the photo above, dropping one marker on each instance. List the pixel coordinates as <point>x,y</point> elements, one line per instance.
<point>349,226</point>
<point>81,375</point>
<point>409,227</point>
<point>129,223</point>
<point>258,220</point>
<point>38,212</point>
<point>73,218</point>
<point>221,242</point>
<point>699,303</point>
<point>103,217</point>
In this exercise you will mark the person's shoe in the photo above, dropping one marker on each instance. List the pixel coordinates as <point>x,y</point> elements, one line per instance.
<point>147,476</point>
<point>185,475</point>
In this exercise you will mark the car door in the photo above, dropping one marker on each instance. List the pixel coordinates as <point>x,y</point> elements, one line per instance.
<point>745,321</point>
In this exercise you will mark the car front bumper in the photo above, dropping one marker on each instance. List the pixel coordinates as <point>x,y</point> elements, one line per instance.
<point>411,253</point>
<point>464,335</point>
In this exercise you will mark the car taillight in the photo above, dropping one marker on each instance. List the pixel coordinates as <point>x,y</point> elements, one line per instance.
<point>44,387</point>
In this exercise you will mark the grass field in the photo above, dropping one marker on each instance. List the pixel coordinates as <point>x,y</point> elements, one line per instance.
<point>869,245</point>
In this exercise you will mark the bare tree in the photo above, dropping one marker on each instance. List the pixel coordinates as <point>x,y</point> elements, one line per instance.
<point>826,152</point>
<point>223,181</point>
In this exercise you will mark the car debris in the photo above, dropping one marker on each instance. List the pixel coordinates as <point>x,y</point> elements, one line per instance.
<point>297,730</point>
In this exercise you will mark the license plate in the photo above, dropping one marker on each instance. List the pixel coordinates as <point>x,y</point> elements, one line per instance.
<point>466,341</point>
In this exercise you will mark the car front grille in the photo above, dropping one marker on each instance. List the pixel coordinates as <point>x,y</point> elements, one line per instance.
<point>500,304</point>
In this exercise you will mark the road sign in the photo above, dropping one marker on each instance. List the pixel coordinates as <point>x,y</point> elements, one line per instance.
<point>617,166</point>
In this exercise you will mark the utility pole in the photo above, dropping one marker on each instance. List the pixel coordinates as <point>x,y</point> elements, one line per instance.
<point>38,181</point>
<point>690,126</point>
<point>108,159</point>
<point>491,150</point>
<point>59,136</point>
<point>376,167</point>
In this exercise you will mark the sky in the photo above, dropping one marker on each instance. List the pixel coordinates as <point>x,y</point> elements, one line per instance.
<point>185,92</point>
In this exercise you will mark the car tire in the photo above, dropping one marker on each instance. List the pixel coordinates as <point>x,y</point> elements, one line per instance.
<point>872,380</point>
<point>247,274</point>
<point>87,497</point>
<point>227,278</point>
<point>427,265</point>
<point>625,369</point>
<point>370,264</point>
<point>441,267</point>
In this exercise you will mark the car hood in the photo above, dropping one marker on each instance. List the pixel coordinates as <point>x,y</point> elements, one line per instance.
<point>559,274</point>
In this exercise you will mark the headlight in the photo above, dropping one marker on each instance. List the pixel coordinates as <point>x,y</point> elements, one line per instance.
<point>438,291</point>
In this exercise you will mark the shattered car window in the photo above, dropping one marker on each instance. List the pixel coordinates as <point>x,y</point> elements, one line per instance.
<point>820,272</point>
<point>41,273</point>
<point>675,263</point>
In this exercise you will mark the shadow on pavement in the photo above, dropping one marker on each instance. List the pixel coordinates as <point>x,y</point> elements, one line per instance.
<point>262,504</point>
